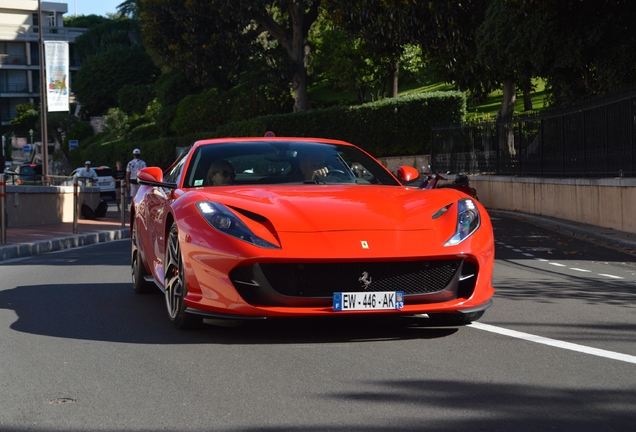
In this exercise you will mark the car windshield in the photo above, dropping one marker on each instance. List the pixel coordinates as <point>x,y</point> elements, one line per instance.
<point>104,172</point>
<point>279,162</point>
<point>31,169</point>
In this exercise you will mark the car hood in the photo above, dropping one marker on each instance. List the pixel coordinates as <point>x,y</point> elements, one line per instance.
<point>309,208</point>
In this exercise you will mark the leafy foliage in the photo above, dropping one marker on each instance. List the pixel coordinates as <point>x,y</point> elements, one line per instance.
<point>134,99</point>
<point>444,29</point>
<point>27,117</point>
<point>101,77</point>
<point>171,87</point>
<point>84,21</point>
<point>109,34</point>
<point>211,41</point>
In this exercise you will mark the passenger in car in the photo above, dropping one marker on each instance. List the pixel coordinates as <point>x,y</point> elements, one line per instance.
<point>221,173</point>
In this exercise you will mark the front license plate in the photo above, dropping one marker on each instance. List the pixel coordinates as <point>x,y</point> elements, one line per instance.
<point>381,300</point>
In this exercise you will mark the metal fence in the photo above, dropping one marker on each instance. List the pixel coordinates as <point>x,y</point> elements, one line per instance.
<point>595,139</point>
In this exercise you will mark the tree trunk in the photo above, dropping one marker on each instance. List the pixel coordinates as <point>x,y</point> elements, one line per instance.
<point>527,100</point>
<point>393,89</point>
<point>294,42</point>
<point>298,53</point>
<point>504,117</point>
<point>299,86</point>
<point>507,108</point>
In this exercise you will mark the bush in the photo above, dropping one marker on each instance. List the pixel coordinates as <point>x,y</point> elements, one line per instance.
<point>389,127</point>
<point>134,99</point>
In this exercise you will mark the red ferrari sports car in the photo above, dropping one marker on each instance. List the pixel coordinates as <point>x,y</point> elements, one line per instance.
<point>278,227</point>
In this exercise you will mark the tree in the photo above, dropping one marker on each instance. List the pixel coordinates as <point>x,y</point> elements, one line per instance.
<point>444,29</point>
<point>585,47</point>
<point>346,64</point>
<point>510,44</point>
<point>84,21</point>
<point>101,77</point>
<point>106,35</point>
<point>211,40</point>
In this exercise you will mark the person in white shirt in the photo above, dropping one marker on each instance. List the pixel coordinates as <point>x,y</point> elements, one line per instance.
<point>131,172</point>
<point>87,175</point>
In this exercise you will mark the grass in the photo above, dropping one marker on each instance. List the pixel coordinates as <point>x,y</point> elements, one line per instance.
<point>322,94</point>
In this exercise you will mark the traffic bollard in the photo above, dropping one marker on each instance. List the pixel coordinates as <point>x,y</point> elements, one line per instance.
<point>76,209</point>
<point>122,199</point>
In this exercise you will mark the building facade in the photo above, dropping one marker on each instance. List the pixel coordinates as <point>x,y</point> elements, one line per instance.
<point>20,53</point>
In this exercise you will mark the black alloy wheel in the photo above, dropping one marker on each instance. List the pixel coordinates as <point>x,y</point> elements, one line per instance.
<point>175,284</point>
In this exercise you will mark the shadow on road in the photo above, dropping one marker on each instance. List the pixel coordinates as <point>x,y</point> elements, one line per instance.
<point>113,312</point>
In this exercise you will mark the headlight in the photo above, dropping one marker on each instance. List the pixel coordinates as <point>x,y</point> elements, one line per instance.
<point>468,221</point>
<point>223,220</point>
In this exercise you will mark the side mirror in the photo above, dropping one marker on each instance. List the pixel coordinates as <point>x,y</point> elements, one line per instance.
<point>151,174</point>
<point>407,173</point>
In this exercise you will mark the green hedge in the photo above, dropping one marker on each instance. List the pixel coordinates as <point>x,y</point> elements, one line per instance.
<point>389,127</point>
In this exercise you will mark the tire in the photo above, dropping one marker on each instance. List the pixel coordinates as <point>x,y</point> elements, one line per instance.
<point>137,268</point>
<point>453,319</point>
<point>175,284</point>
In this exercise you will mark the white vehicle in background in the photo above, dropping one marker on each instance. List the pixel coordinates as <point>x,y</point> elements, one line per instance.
<point>105,181</point>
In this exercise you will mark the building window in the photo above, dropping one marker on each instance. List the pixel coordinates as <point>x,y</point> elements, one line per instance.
<point>12,53</point>
<point>14,81</point>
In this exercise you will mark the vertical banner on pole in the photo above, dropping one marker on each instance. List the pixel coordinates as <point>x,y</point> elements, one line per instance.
<point>57,76</point>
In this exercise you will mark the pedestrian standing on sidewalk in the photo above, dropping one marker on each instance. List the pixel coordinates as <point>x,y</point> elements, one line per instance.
<point>87,175</point>
<point>119,175</point>
<point>131,172</point>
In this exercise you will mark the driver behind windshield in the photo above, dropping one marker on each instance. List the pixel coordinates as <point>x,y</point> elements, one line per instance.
<point>312,164</point>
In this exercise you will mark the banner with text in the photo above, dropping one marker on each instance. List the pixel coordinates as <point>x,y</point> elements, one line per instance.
<point>57,76</point>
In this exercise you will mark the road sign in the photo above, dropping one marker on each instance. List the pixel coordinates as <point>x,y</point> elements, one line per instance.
<point>72,144</point>
<point>27,148</point>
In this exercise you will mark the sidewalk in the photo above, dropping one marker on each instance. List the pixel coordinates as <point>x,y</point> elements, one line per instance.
<point>38,239</point>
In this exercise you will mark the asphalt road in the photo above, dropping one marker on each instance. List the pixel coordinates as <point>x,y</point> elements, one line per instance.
<point>80,351</point>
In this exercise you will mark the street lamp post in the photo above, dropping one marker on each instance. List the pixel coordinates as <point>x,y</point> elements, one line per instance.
<point>31,134</point>
<point>43,104</point>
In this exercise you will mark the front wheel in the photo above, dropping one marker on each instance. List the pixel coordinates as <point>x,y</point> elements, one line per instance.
<point>175,284</point>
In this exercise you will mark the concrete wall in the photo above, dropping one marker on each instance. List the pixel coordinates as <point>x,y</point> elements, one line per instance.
<point>608,203</point>
<point>42,205</point>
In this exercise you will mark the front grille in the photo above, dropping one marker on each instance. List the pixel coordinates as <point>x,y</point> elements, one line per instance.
<point>322,280</point>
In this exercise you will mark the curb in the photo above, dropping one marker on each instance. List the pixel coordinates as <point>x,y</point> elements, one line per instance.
<point>22,250</point>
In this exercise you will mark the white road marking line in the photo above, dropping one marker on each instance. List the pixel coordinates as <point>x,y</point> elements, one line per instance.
<point>610,276</point>
<point>509,247</point>
<point>580,269</point>
<point>541,259</point>
<point>555,343</point>
<point>557,264</point>
<point>517,250</point>
<point>528,254</point>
